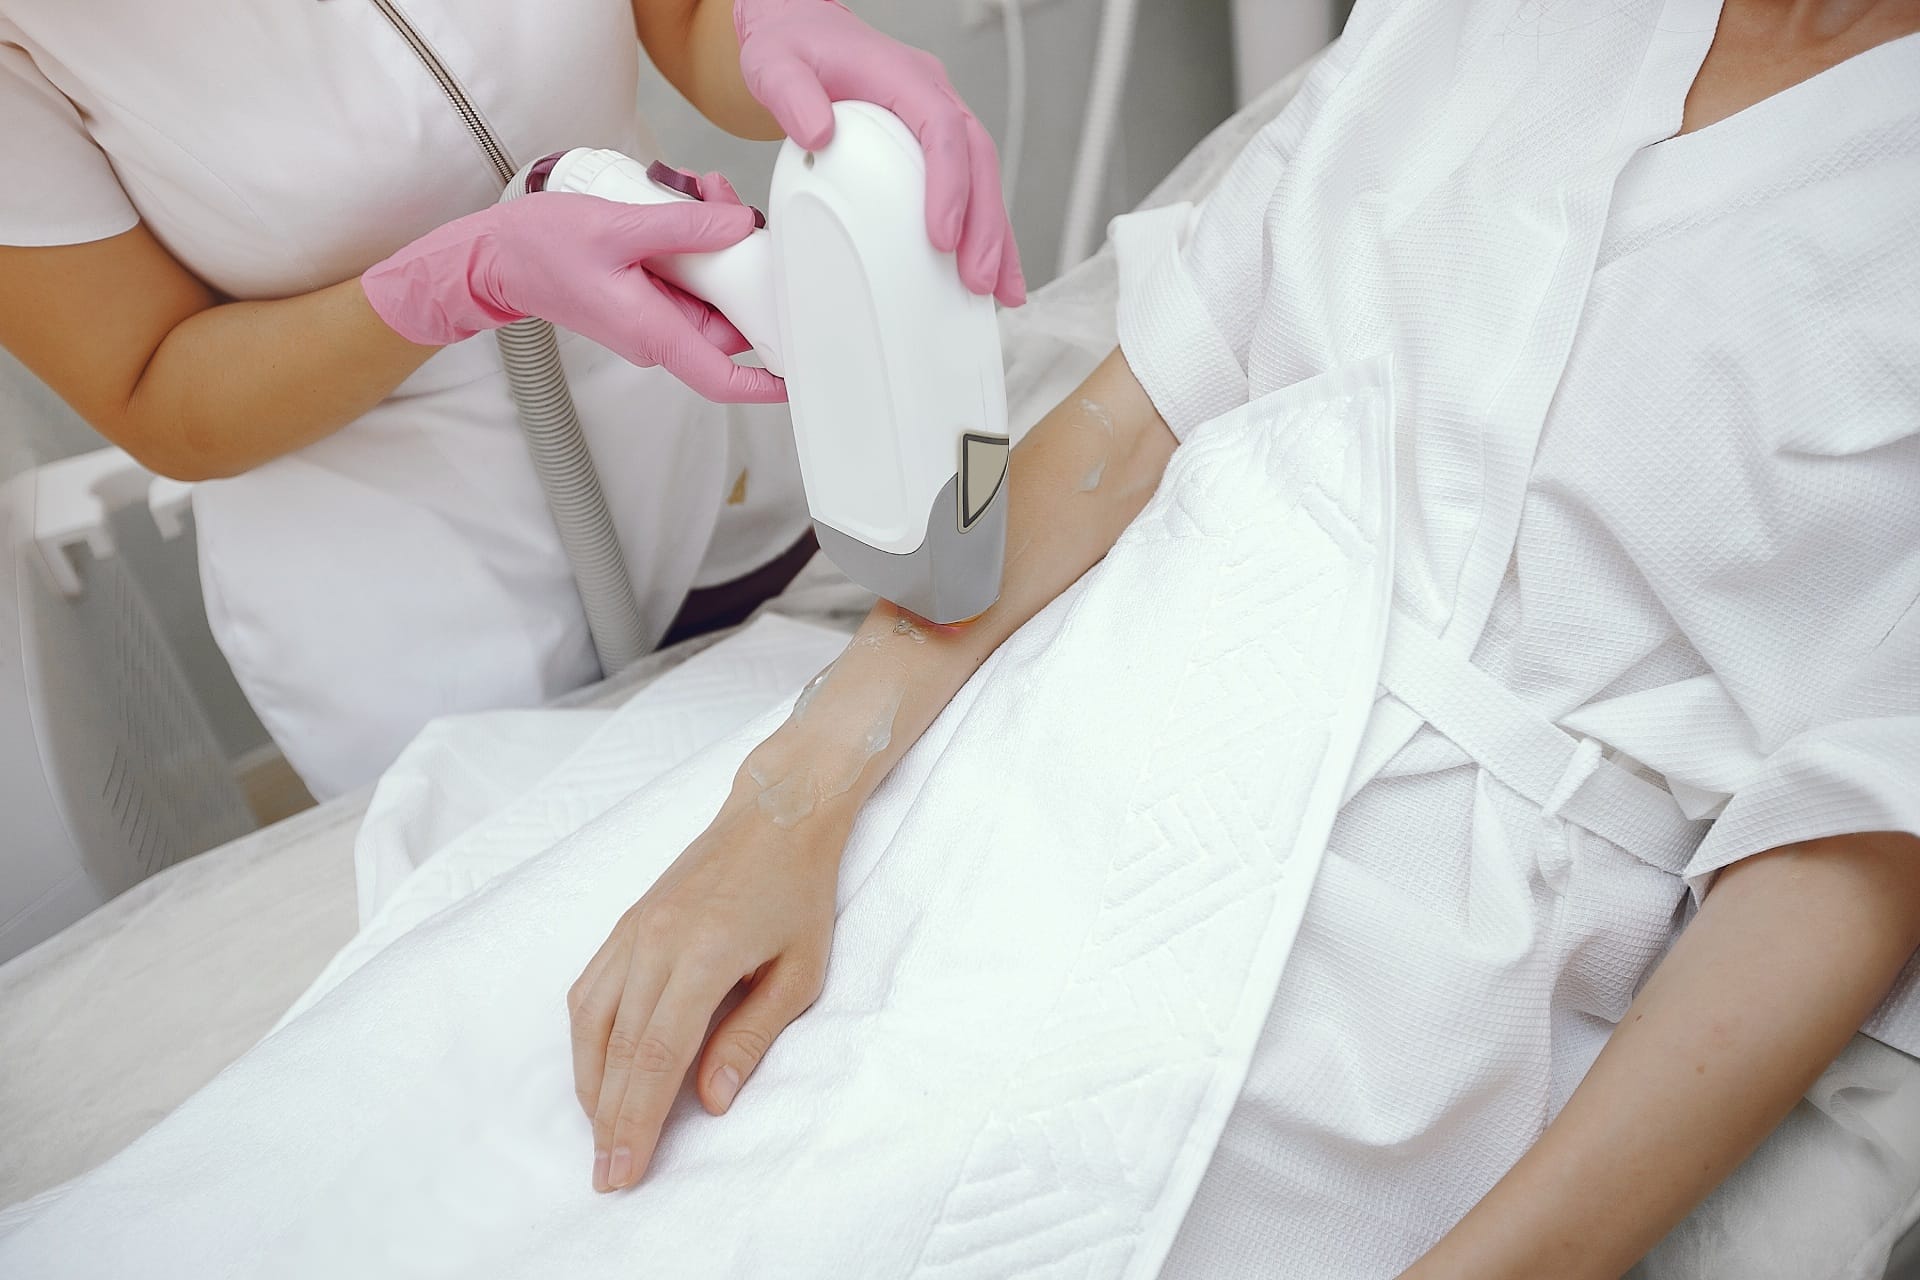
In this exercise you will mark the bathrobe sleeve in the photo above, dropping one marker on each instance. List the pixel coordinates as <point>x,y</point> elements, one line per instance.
<point>1193,279</point>
<point>1850,776</point>
<point>1809,605</point>
<point>60,187</point>
<point>1795,570</point>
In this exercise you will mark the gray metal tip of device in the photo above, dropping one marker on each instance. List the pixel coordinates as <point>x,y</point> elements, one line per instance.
<point>952,576</point>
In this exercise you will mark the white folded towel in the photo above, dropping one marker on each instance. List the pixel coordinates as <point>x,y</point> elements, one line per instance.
<point>1062,921</point>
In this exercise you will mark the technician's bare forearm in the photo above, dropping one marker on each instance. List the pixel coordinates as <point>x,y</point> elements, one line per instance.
<point>193,387</point>
<point>240,384</point>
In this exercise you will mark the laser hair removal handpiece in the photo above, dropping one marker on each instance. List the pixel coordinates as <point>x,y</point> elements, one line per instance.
<point>893,368</point>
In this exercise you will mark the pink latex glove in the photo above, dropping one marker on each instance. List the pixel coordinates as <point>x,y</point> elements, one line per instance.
<point>799,57</point>
<point>579,262</point>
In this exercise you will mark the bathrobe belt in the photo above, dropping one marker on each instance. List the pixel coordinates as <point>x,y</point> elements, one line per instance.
<point>1566,775</point>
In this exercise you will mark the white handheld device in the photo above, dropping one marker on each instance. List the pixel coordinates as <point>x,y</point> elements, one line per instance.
<point>893,368</point>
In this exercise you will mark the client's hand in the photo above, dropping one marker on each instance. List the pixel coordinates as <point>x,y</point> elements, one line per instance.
<point>750,902</point>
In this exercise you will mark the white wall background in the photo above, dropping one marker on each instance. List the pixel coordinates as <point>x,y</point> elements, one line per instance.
<point>1182,84</point>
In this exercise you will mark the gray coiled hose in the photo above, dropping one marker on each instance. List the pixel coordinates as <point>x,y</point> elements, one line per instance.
<point>561,459</point>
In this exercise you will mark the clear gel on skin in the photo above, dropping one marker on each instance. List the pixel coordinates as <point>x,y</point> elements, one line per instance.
<point>1094,417</point>
<point>788,798</point>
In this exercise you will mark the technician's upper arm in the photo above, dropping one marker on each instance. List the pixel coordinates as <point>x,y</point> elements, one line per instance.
<point>693,45</point>
<point>87,319</point>
<point>666,28</point>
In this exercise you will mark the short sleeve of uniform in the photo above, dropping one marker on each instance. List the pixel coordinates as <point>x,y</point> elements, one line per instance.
<point>60,187</point>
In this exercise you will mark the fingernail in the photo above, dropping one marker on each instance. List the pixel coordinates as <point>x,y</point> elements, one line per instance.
<point>726,1083</point>
<point>600,1171</point>
<point>621,1168</point>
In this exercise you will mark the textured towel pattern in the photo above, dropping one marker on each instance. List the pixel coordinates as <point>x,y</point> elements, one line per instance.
<point>1049,970</point>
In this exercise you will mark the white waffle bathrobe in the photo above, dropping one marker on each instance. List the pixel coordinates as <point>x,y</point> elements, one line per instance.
<point>1658,440</point>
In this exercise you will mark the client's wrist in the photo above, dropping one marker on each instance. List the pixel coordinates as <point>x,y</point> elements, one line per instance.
<point>800,778</point>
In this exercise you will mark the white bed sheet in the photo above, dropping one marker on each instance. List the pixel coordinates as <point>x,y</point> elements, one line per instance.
<point>108,1025</point>
<point>111,1024</point>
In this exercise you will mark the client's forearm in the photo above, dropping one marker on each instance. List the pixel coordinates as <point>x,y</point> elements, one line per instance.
<point>1789,954</point>
<point>1078,478</point>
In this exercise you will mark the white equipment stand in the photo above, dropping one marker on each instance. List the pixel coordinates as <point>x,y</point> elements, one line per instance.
<point>109,770</point>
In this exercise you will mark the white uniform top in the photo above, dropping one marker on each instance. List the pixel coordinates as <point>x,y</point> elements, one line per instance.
<point>1709,562</point>
<point>407,566</point>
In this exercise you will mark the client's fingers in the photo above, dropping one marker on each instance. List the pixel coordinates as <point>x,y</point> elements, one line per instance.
<point>779,995</point>
<point>628,1050</point>
<point>664,1051</point>
<point>591,1005</point>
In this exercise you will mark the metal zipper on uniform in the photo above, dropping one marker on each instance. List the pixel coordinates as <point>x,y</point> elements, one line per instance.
<point>550,421</point>
<point>503,166</point>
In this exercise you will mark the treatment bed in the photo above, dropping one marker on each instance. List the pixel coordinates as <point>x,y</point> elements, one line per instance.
<point>107,1027</point>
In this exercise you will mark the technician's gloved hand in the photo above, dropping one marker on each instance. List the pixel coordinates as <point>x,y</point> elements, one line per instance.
<point>799,57</point>
<point>579,262</point>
